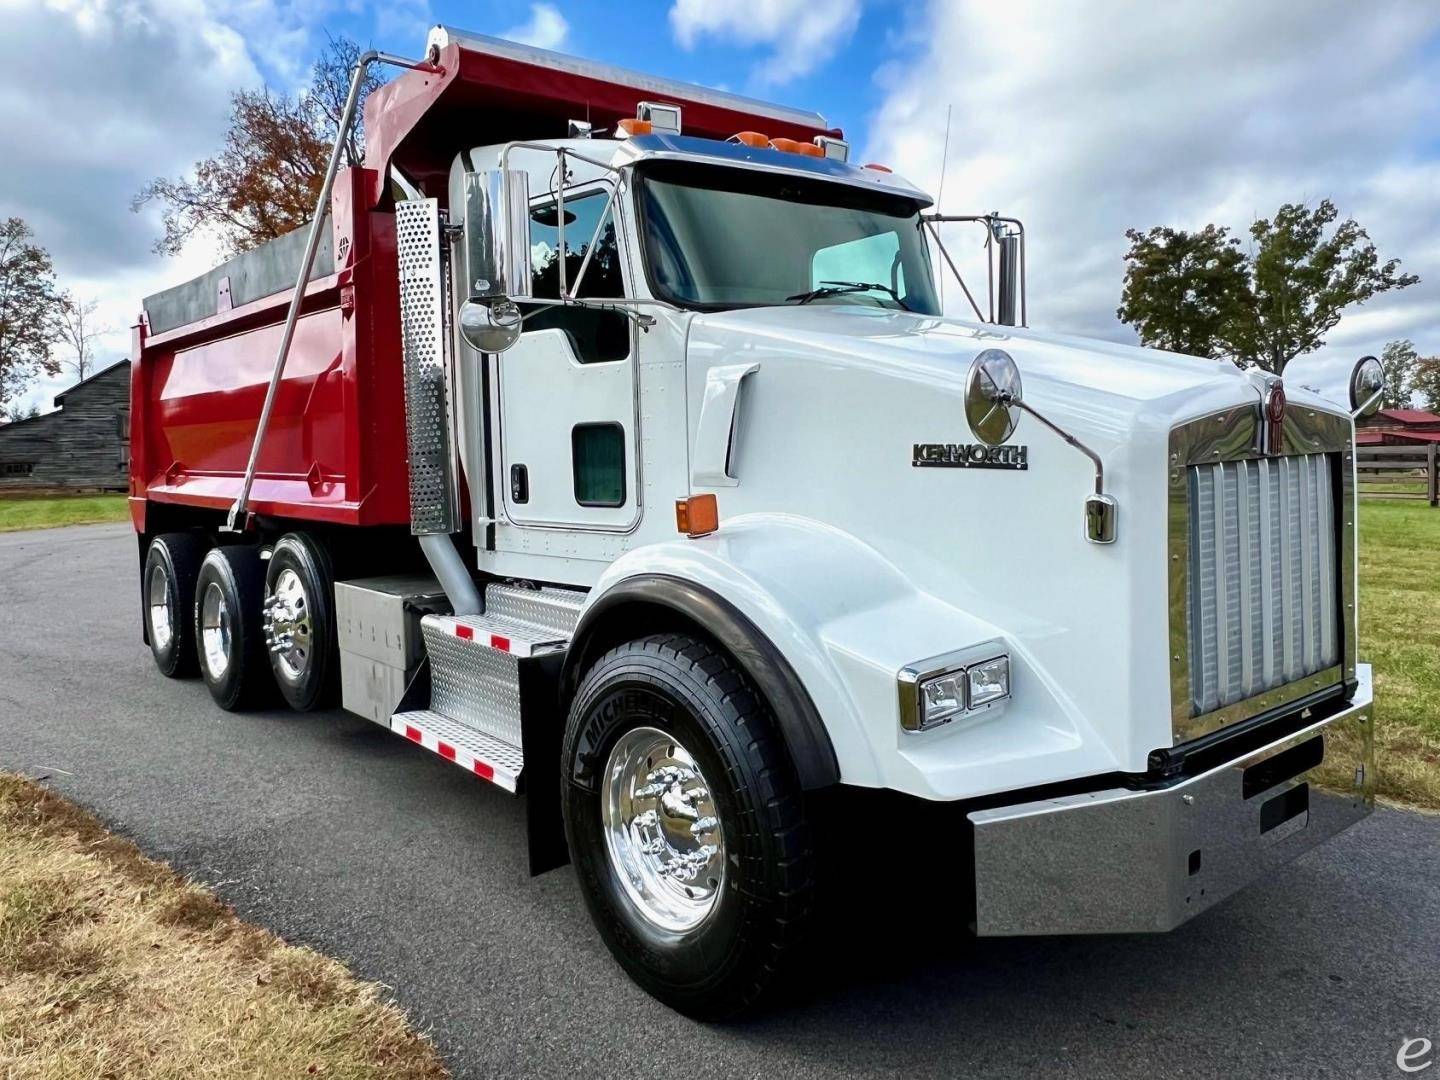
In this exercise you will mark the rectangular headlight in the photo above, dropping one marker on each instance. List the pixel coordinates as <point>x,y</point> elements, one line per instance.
<point>941,699</point>
<point>944,688</point>
<point>988,681</point>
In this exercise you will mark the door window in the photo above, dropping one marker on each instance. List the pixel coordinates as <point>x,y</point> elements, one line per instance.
<point>598,453</point>
<point>596,336</point>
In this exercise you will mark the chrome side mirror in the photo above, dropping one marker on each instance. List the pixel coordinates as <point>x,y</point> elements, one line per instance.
<point>496,232</point>
<point>1367,387</point>
<point>993,404</point>
<point>489,327</point>
<point>992,397</point>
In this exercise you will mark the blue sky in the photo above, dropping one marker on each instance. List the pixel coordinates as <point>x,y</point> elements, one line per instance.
<point>1083,119</point>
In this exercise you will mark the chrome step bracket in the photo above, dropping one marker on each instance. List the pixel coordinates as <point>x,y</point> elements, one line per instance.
<point>488,758</point>
<point>548,609</point>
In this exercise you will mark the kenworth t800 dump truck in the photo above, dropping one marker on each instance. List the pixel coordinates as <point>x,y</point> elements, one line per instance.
<point>604,436</point>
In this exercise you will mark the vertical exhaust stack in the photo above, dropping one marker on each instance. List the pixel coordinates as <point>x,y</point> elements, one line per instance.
<point>1009,283</point>
<point>1007,242</point>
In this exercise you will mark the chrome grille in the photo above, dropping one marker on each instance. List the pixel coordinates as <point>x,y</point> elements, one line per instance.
<point>1263,595</point>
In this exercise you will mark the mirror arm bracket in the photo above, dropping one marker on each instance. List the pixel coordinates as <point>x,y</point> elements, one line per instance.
<point>1101,510</point>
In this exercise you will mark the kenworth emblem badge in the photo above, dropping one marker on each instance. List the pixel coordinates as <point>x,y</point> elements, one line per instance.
<point>969,456</point>
<point>1275,418</point>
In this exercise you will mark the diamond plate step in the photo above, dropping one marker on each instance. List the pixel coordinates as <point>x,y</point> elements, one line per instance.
<point>487,757</point>
<point>545,610</point>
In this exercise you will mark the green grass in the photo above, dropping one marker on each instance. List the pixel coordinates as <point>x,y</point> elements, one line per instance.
<point>48,511</point>
<point>1400,635</point>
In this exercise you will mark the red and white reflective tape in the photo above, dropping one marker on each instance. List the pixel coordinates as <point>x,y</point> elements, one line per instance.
<point>481,636</point>
<point>466,759</point>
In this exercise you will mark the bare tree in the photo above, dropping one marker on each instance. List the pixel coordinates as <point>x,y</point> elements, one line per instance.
<point>78,329</point>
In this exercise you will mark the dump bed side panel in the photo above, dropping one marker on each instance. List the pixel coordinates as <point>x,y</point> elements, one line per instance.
<point>334,451</point>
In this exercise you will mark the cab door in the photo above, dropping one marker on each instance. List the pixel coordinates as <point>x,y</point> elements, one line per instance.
<point>567,388</point>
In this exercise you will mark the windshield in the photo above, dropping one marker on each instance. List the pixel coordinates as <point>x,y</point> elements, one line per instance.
<point>723,238</point>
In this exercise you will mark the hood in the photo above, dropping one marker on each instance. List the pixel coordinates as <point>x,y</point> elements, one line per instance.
<point>1101,386</point>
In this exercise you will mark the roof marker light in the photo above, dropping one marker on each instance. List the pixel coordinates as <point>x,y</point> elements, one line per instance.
<point>878,168</point>
<point>791,146</point>
<point>750,138</point>
<point>635,127</point>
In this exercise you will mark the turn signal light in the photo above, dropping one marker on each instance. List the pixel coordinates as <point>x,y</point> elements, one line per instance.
<point>636,127</point>
<point>750,138</point>
<point>699,515</point>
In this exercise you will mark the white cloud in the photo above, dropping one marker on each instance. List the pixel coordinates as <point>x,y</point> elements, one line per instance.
<point>99,96</point>
<point>545,29</point>
<point>800,34</point>
<point>1085,120</point>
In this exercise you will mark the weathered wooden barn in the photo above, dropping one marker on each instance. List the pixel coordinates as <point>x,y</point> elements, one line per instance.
<point>83,444</point>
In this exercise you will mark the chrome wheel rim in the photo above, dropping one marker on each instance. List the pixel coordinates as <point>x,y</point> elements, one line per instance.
<point>662,830</point>
<point>157,599</point>
<point>289,631</point>
<point>215,630</point>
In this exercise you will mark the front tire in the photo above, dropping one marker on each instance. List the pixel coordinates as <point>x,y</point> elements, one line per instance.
<point>686,824</point>
<point>228,636</point>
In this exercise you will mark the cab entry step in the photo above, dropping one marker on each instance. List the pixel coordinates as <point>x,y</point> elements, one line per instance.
<point>488,758</point>
<point>488,673</point>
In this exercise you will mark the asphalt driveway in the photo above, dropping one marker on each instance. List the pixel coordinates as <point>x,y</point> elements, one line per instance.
<point>333,832</point>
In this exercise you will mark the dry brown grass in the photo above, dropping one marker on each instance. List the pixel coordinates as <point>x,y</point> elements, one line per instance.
<point>111,965</point>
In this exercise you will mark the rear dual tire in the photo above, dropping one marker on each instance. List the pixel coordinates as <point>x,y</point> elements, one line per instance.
<point>299,623</point>
<point>171,567</point>
<point>228,637</point>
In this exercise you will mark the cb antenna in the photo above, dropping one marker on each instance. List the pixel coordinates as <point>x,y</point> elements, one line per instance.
<point>940,194</point>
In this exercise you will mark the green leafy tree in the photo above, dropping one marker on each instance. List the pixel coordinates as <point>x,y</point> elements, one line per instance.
<point>29,310</point>
<point>1426,382</point>
<point>1398,358</point>
<point>1202,293</point>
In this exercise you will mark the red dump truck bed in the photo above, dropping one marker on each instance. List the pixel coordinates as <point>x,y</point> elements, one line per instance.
<point>334,451</point>
<point>335,448</point>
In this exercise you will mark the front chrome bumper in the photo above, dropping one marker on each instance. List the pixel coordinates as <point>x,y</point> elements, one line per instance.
<point>1123,861</point>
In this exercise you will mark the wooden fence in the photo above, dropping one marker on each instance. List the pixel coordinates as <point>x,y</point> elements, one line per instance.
<point>1398,472</point>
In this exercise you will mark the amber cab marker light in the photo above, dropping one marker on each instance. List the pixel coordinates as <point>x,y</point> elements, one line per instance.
<point>750,138</point>
<point>878,167</point>
<point>636,127</point>
<point>699,515</point>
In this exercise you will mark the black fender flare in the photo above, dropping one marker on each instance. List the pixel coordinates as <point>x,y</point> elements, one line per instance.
<point>629,609</point>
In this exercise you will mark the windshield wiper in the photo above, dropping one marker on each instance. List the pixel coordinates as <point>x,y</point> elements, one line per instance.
<point>839,288</point>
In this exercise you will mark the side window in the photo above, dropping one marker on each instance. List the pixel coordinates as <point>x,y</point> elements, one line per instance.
<point>871,258</point>
<point>597,336</point>
<point>598,454</point>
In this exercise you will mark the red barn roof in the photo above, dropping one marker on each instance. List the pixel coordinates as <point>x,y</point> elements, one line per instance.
<point>1410,416</point>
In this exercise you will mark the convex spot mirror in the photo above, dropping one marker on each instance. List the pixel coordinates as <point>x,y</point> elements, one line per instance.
<point>489,327</point>
<point>992,397</point>
<point>1367,383</point>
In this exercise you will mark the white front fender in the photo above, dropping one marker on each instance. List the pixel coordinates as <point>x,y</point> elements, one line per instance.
<point>846,620</point>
